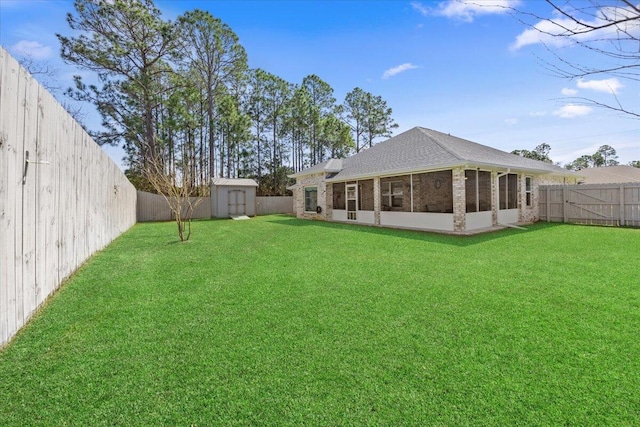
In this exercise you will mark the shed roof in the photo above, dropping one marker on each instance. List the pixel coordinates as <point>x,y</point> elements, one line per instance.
<point>234,182</point>
<point>423,149</point>
<point>610,175</point>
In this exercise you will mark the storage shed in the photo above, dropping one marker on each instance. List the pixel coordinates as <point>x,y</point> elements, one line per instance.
<point>233,197</point>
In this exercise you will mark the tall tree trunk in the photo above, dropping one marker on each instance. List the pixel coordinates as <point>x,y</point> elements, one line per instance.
<point>229,154</point>
<point>259,166</point>
<point>212,139</point>
<point>221,153</point>
<point>274,163</point>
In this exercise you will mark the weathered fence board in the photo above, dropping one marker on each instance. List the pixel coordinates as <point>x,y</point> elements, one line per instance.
<point>58,206</point>
<point>29,207</point>
<point>266,205</point>
<point>595,204</point>
<point>631,198</point>
<point>4,213</point>
<point>10,166</point>
<point>153,207</point>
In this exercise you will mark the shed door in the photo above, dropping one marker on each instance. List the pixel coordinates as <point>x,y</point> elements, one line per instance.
<point>237,202</point>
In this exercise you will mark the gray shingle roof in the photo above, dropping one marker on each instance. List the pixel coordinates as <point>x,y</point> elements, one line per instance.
<point>234,182</point>
<point>328,166</point>
<point>610,175</point>
<point>424,149</point>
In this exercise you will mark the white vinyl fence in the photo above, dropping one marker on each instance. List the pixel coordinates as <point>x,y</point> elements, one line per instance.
<point>153,207</point>
<point>61,197</point>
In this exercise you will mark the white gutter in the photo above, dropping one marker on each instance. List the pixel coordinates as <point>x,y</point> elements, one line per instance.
<point>465,165</point>
<point>394,172</point>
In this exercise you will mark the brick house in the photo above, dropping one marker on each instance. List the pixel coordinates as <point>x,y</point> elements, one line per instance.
<point>428,180</point>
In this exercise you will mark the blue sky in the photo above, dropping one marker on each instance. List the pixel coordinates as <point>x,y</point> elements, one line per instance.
<point>450,66</point>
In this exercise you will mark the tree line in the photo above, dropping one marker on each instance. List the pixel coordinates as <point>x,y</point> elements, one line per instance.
<point>605,155</point>
<point>180,97</point>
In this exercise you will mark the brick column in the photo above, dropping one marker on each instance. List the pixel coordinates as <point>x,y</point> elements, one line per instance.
<point>459,200</point>
<point>522,201</point>
<point>494,198</point>
<point>328,211</point>
<point>377,205</point>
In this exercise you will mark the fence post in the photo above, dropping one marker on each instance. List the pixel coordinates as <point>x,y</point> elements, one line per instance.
<point>565,202</point>
<point>547,191</point>
<point>622,216</point>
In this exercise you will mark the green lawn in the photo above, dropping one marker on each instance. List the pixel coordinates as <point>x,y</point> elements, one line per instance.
<point>277,321</point>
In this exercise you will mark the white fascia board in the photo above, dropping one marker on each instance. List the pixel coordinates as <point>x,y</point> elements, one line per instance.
<point>394,172</point>
<point>465,165</point>
<point>530,171</point>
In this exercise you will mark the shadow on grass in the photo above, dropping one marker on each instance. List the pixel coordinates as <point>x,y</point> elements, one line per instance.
<point>426,236</point>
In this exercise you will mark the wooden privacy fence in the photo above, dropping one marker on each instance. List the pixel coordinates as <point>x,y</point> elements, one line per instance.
<point>153,207</point>
<point>61,196</point>
<point>266,205</point>
<point>597,204</point>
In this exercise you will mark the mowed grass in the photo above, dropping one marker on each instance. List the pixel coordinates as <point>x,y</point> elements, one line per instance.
<point>278,321</point>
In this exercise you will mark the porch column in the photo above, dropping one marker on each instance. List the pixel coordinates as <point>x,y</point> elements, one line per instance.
<point>494,198</point>
<point>328,212</point>
<point>377,203</point>
<point>459,200</point>
<point>522,198</point>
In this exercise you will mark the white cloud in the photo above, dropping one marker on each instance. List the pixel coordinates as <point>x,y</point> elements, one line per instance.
<point>32,49</point>
<point>569,92</point>
<point>607,85</point>
<point>420,8</point>
<point>571,111</point>
<point>543,32</point>
<point>538,113</point>
<point>563,31</point>
<point>511,121</point>
<point>399,69</point>
<point>467,10</point>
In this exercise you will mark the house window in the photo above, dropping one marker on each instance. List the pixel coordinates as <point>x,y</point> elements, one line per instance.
<point>528,190</point>
<point>391,194</point>
<point>310,199</point>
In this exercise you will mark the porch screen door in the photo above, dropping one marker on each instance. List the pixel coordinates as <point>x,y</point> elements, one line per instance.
<point>352,201</point>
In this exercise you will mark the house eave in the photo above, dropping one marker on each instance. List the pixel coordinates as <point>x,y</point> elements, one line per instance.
<point>465,165</point>
<point>299,174</point>
<point>393,172</point>
<point>535,171</point>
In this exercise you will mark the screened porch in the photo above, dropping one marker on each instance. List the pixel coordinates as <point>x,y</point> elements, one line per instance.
<point>426,200</point>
